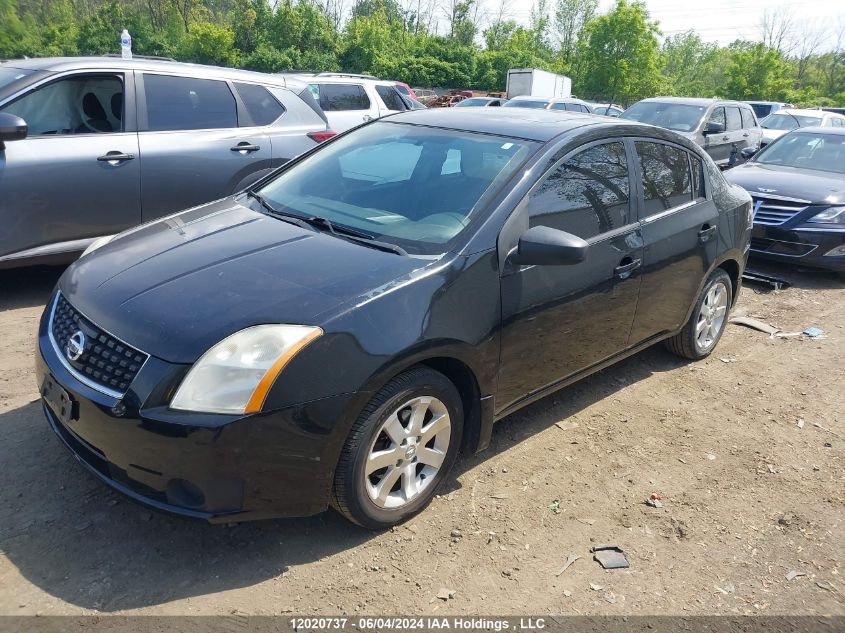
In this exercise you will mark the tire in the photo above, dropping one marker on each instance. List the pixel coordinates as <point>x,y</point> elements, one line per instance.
<point>697,341</point>
<point>389,440</point>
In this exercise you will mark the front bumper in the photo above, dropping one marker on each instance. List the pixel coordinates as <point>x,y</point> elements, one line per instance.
<point>211,467</point>
<point>802,247</point>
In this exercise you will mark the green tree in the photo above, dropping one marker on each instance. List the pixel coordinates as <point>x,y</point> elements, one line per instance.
<point>756,72</point>
<point>209,43</point>
<point>692,67</point>
<point>570,16</point>
<point>619,56</point>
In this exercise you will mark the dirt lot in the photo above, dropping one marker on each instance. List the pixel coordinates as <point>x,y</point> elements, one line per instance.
<point>746,448</point>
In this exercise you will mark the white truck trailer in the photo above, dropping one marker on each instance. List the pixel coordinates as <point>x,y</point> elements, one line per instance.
<point>534,82</point>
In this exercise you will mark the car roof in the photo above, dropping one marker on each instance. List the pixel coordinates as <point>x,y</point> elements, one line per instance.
<point>827,131</point>
<point>201,71</point>
<point>699,101</point>
<point>567,100</point>
<point>534,125</point>
<point>807,112</point>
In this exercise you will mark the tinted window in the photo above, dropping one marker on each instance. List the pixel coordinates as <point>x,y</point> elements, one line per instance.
<point>558,106</point>
<point>734,119</point>
<point>391,98</point>
<point>340,97</point>
<point>718,117</point>
<point>697,178</point>
<point>261,105</point>
<point>762,109</point>
<point>675,116</point>
<point>666,176</point>
<point>413,186</point>
<point>747,118</point>
<point>186,103</point>
<point>586,195</point>
<point>82,104</point>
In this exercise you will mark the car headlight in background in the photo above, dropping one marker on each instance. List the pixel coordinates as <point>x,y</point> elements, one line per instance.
<point>93,246</point>
<point>833,215</point>
<point>235,375</point>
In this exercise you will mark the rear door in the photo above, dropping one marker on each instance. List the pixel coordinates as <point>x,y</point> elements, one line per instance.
<point>192,148</point>
<point>679,224</point>
<point>76,176</point>
<point>346,105</point>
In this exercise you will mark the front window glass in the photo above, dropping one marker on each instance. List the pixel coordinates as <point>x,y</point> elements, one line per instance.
<point>539,104</point>
<point>825,152</point>
<point>411,186</point>
<point>674,116</point>
<point>786,121</point>
<point>666,176</point>
<point>586,195</point>
<point>82,104</point>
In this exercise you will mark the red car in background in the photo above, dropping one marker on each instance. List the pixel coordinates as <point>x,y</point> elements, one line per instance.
<point>406,90</point>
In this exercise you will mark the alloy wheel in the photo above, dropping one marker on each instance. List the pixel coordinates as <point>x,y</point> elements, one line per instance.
<point>407,452</point>
<point>711,316</point>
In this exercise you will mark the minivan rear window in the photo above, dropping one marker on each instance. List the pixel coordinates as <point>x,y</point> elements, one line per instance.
<point>340,97</point>
<point>261,105</point>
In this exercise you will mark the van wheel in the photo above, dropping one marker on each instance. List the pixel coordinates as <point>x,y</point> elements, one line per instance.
<point>399,450</point>
<point>708,320</point>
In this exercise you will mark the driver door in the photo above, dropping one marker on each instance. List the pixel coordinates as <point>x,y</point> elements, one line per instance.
<point>77,175</point>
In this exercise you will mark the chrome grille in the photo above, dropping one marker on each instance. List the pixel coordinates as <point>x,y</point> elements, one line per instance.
<point>106,363</point>
<point>774,211</point>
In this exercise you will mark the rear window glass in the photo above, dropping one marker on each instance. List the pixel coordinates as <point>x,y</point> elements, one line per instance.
<point>261,105</point>
<point>666,176</point>
<point>340,97</point>
<point>527,103</point>
<point>391,98</point>
<point>186,103</point>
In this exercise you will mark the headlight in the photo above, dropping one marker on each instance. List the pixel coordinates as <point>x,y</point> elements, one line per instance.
<point>833,215</point>
<point>93,246</point>
<point>235,375</point>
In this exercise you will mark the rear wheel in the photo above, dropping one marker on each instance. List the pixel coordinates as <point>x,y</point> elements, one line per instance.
<point>399,450</point>
<point>708,320</point>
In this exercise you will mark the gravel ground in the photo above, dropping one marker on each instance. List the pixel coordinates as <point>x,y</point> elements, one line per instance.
<point>746,451</point>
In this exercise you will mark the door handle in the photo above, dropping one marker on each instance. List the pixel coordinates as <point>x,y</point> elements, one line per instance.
<point>623,271</point>
<point>726,138</point>
<point>115,157</point>
<point>706,233</point>
<point>746,135</point>
<point>245,148</point>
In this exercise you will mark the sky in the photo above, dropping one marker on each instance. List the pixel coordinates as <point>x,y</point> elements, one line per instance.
<point>721,21</point>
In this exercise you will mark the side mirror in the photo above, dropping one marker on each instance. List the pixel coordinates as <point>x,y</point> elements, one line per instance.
<point>749,152</point>
<point>713,128</point>
<point>545,246</point>
<point>12,128</point>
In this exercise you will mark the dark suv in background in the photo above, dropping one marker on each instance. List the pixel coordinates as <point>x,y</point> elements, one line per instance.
<point>723,128</point>
<point>91,146</point>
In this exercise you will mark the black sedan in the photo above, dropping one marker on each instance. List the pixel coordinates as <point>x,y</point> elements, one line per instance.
<point>798,187</point>
<point>336,334</point>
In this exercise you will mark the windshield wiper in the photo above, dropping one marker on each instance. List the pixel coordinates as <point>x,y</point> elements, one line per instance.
<point>291,218</point>
<point>353,234</point>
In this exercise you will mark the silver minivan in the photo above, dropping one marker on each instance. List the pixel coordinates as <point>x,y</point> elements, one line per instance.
<point>91,146</point>
<point>722,128</point>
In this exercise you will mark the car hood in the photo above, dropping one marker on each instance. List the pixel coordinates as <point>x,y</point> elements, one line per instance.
<point>176,286</point>
<point>806,184</point>
<point>772,135</point>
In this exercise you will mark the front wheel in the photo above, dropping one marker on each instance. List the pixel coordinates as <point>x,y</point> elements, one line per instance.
<point>399,450</point>
<point>708,320</point>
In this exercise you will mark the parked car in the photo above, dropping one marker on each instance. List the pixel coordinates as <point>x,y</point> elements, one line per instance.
<point>484,102</point>
<point>798,187</point>
<point>447,101</point>
<point>569,104</point>
<point>783,121</point>
<point>349,100</point>
<point>764,108</point>
<point>723,128</point>
<point>836,110</point>
<point>335,335</point>
<point>608,109</point>
<point>95,145</point>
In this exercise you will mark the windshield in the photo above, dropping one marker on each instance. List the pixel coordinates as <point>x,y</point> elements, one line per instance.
<point>762,109</point>
<point>8,75</point>
<point>415,187</point>
<point>825,152</point>
<point>786,121</point>
<point>540,104</point>
<point>478,101</point>
<point>674,116</point>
